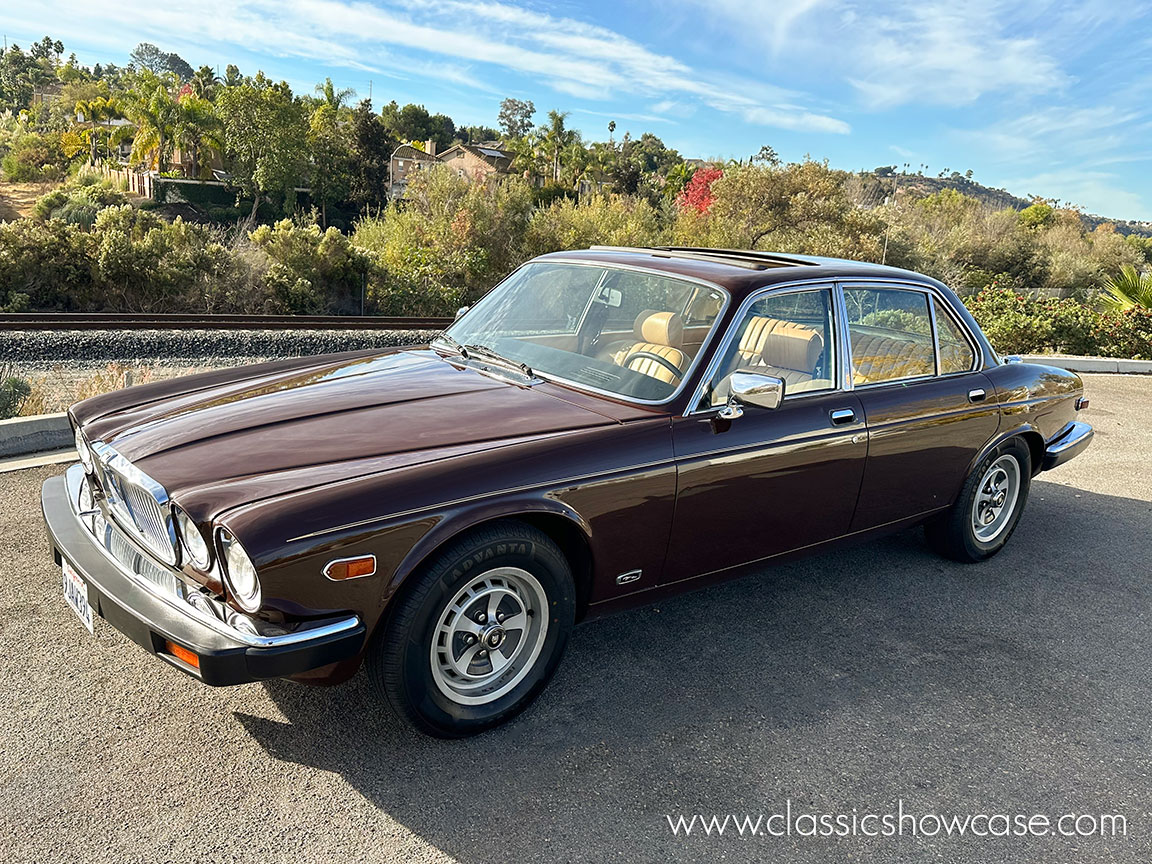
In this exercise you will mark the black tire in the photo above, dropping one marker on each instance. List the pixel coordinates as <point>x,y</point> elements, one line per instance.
<point>953,534</point>
<point>400,661</point>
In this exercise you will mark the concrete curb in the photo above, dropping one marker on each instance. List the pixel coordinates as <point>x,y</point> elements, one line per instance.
<point>23,435</point>
<point>1092,364</point>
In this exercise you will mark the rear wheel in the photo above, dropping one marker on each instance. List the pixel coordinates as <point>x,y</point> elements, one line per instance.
<point>477,636</point>
<point>986,512</point>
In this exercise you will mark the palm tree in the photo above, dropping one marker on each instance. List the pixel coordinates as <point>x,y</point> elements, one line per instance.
<point>1128,290</point>
<point>154,114</point>
<point>101,109</point>
<point>197,128</point>
<point>204,83</point>
<point>333,97</point>
<point>556,138</point>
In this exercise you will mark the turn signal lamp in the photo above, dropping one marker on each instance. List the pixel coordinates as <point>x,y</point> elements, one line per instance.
<point>182,653</point>
<point>350,568</point>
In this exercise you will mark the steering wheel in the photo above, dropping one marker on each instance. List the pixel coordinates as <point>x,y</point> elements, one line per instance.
<point>660,361</point>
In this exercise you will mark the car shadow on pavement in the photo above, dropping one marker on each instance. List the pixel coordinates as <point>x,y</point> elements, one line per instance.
<point>854,677</point>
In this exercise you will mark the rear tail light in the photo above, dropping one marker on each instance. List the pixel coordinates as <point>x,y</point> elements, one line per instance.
<point>1081,404</point>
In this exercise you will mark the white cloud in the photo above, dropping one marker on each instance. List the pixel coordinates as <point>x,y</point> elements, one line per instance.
<point>570,56</point>
<point>1096,191</point>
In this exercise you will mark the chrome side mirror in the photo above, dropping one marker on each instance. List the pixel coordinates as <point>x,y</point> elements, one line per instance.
<point>460,312</point>
<point>750,387</point>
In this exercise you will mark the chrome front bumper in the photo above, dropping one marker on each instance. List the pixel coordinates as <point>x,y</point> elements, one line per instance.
<point>1068,443</point>
<point>150,602</point>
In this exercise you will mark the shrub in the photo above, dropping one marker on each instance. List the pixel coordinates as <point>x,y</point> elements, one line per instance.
<point>312,272</point>
<point>13,393</point>
<point>1018,324</point>
<point>78,203</point>
<point>611,220</point>
<point>36,157</point>
<point>49,263</point>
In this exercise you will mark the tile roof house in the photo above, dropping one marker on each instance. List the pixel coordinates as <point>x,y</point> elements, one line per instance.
<point>406,159</point>
<point>477,163</point>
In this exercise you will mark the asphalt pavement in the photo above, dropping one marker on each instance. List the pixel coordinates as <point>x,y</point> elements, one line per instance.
<point>854,679</point>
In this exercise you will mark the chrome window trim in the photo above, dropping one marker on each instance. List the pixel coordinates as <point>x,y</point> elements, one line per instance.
<point>588,388</point>
<point>759,294</point>
<point>932,293</point>
<point>72,482</point>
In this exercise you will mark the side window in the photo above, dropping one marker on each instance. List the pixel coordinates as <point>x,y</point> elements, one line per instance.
<point>789,336</point>
<point>956,354</point>
<point>891,334</point>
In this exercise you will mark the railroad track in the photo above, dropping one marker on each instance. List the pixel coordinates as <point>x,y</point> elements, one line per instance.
<point>147,321</point>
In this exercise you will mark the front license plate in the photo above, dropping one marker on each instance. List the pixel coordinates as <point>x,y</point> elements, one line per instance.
<point>76,594</point>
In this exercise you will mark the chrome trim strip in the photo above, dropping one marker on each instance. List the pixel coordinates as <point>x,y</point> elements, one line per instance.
<point>730,335</point>
<point>588,388</point>
<point>72,482</point>
<point>108,459</point>
<point>442,505</point>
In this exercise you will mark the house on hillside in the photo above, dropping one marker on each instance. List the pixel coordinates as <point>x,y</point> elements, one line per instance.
<point>406,160</point>
<point>477,163</point>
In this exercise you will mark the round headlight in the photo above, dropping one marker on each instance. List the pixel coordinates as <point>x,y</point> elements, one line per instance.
<point>83,451</point>
<point>239,572</point>
<point>198,552</point>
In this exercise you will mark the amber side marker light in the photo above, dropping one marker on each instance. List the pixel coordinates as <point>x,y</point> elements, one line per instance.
<point>182,653</point>
<point>350,568</point>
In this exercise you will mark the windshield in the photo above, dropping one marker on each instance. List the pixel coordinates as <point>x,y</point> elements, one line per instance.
<point>628,332</point>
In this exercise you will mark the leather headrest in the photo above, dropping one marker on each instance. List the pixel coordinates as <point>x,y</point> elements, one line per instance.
<point>793,346</point>
<point>660,328</point>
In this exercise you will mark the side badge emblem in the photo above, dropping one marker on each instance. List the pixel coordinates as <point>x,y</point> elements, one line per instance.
<point>630,576</point>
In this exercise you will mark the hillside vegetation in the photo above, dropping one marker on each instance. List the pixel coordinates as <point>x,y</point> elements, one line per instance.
<point>267,248</point>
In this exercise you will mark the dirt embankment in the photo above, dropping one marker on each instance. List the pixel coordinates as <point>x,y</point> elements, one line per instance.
<point>18,199</point>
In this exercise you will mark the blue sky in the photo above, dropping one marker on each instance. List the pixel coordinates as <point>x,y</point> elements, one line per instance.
<point>1045,98</point>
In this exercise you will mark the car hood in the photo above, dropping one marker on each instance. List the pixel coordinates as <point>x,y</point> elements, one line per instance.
<point>218,441</point>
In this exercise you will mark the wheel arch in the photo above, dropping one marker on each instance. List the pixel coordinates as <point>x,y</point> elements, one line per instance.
<point>562,525</point>
<point>1031,436</point>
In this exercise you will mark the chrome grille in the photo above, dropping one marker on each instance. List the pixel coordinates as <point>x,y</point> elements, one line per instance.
<point>137,502</point>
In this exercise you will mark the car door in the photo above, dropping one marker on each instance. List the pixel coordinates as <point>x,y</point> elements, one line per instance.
<point>928,412</point>
<point>771,480</point>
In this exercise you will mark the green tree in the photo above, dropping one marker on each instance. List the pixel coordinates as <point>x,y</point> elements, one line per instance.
<point>204,83</point>
<point>557,136</point>
<point>370,154</point>
<point>154,115</point>
<point>197,128</point>
<point>265,139</point>
<point>332,97</point>
<point>515,117</point>
<point>328,144</point>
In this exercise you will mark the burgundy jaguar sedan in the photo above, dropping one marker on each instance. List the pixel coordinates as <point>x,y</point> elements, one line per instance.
<point>606,427</point>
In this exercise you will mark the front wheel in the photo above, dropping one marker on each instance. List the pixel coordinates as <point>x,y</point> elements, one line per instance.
<point>986,512</point>
<point>477,636</point>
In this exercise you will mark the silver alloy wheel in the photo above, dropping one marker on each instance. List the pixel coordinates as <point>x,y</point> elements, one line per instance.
<point>996,499</point>
<point>489,636</point>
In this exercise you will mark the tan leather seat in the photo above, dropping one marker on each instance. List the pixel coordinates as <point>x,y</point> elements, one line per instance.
<point>659,333</point>
<point>783,349</point>
<point>791,352</point>
<point>883,358</point>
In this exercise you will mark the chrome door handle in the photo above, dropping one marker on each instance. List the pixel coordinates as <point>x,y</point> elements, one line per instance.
<point>843,416</point>
<point>976,395</point>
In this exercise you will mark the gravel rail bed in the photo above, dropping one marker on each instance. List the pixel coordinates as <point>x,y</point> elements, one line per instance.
<point>44,349</point>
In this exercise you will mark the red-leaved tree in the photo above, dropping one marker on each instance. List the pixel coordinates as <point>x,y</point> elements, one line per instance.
<point>698,193</point>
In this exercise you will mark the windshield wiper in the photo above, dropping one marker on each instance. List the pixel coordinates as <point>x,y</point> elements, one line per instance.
<point>488,353</point>
<point>453,344</point>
